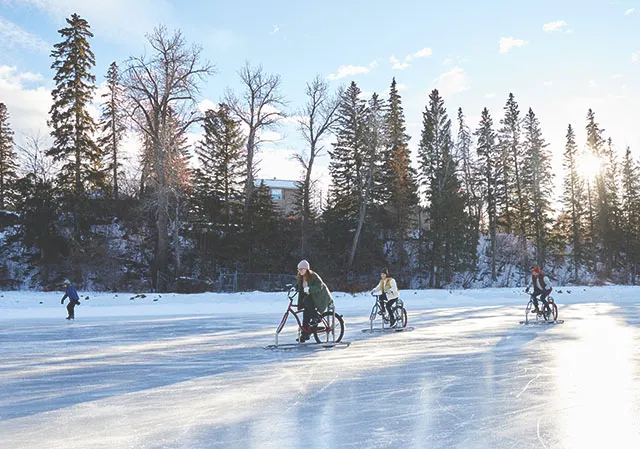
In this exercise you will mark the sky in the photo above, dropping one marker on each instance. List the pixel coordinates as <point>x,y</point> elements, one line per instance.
<point>559,58</point>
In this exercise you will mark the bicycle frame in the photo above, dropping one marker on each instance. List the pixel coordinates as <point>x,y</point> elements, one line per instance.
<point>547,306</point>
<point>295,310</point>
<point>385,312</point>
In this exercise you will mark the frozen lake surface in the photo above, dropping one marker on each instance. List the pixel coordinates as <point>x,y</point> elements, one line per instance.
<point>191,371</point>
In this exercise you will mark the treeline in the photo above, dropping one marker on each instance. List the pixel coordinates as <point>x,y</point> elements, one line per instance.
<point>476,210</point>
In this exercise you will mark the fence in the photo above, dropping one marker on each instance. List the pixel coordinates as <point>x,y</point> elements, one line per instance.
<point>266,282</point>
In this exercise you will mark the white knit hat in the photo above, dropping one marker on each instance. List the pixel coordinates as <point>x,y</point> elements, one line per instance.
<point>303,264</point>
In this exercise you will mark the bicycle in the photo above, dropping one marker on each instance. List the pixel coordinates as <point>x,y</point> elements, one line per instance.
<point>547,310</point>
<point>398,311</point>
<point>327,330</point>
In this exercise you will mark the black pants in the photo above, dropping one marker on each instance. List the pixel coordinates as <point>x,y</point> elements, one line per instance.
<point>308,313</point>
<point>389,306</point>
<point>542,293</point>
<point>70,307</point>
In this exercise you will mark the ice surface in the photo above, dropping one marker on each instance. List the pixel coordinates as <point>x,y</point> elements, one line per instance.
<point>190,371</point>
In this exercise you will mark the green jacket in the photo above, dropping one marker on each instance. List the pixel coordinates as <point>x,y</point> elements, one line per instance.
<point>318,291</point>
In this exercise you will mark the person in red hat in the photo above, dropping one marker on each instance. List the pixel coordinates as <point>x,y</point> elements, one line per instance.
<point>541,287</point>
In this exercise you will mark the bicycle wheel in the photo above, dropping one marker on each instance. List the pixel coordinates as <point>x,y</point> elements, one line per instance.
<point>374,312</point>
<point>527,310</point>
<point>553,309</point>
<point>400,315</point>
<point>331,325</point>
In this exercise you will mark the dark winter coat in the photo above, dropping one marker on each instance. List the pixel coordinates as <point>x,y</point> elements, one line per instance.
<point>318,291</point>
<point>539,285</point>
<point>70,293</point>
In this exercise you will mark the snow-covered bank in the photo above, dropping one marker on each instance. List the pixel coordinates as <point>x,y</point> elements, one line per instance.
<point>27,304</point>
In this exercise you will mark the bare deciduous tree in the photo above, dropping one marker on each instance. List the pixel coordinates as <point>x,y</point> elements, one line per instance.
<point>162,88</point>
<point>34,159</point>
<point>259,109</point>
<point>317,120</point>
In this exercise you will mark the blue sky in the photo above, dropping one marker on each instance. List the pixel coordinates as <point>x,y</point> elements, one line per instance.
<point>560,58</point>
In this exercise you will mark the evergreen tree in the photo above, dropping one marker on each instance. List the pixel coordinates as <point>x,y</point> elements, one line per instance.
<point>595,143</point>
<point>220,179</point>
<point>604,197</point>
<point>573,199</point>
<point>112,125</point>
<point>398,179</point>
<point>217,200</point>
<point>39,212</point>
<point>471,185</point>
<point>491,169</point>
<point>347,156</point>
<point>609,207</point>
<point>346,167</point>
<point>631,216</point>
<point>445,203</point>
<point>539,158</point>
<point>514,196</point>
<point>8,161</point>
<point>73,126</point>
<point>516,193</point>
<point>375,140</point>
<point>263,235</point>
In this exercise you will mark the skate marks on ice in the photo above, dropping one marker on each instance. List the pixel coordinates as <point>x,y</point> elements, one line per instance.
<point>474,380</point>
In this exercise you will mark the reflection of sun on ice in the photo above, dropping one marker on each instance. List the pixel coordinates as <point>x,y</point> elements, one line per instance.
<point>589,165</point>
<point>596,384</point>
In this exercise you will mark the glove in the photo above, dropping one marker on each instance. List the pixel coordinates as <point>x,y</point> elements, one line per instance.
<point>527,290</point>
<point>62,301</point>
<point>306,290</point>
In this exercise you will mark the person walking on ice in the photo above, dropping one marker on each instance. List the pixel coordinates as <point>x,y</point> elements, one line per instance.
<point>74,300</point>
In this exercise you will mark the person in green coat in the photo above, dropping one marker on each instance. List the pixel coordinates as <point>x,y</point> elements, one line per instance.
<point>313,295</point>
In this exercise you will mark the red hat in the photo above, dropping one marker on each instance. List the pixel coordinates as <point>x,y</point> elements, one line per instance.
<point>535,270</point>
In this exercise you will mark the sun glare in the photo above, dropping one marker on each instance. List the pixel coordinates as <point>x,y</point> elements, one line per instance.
<point>589,165</point>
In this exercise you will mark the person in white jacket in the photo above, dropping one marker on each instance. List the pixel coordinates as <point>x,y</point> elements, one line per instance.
<point>388,293</point>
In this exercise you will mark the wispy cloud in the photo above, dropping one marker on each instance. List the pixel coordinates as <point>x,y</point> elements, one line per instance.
<point>397,65</point>
<point>423,53</point>
<point>554,26</point>
<point>29,107</point>
<point>401,65</point>
<point>592,83</point>
<point>452,82</point>
<point>635,57</point>
<point>352,70</point>
<point>206,105</point>
<point>117,20</point>
<point>507,43</point>
<point>490,95</point>
<point>401,86</point>
<point>629,11</point>
<point>13,35</point>
<point>547,83</point>
<point>275,29</point>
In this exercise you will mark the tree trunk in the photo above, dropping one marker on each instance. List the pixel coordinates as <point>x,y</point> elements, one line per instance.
<point>249,183</point>
<point>361,216</point>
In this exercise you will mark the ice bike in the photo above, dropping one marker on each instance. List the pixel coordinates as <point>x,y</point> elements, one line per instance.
<point>327,328</point>
<point>398,311</point>
<point>547,312</point>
